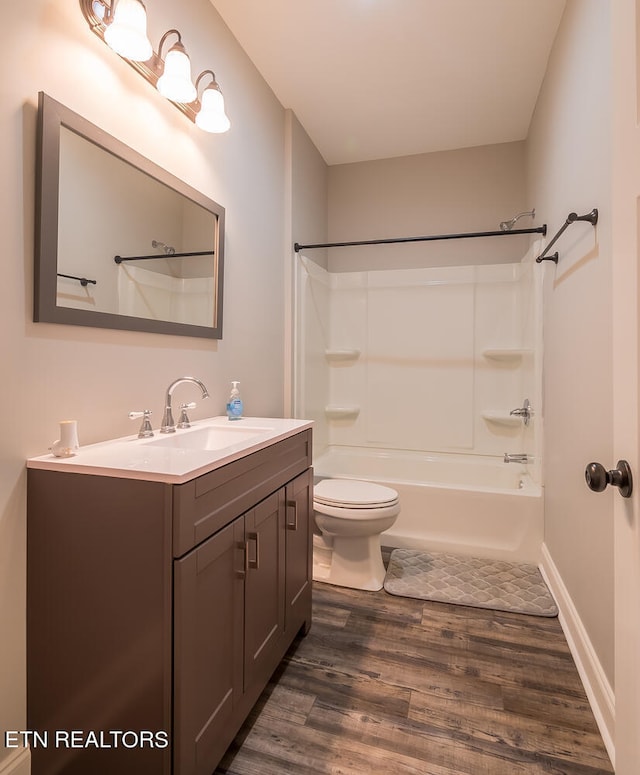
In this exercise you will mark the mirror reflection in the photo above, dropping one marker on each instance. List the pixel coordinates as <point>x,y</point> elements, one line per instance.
<point>121,243</point>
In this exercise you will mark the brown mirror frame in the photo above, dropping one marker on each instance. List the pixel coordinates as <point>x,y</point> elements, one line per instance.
<point>52,115</point>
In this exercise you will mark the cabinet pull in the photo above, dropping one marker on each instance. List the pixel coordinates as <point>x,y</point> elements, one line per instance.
<point>255,564</point>
<point>294,506</point>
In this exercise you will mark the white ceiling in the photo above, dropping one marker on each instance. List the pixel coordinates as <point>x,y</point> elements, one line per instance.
<point>372,79</point>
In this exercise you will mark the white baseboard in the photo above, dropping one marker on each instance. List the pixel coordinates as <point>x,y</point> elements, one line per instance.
<point>17,763</point>
<point>594,680</point>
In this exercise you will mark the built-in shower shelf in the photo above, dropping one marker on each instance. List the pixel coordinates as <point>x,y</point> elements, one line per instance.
<point>501,417</point>
<point>336,412</point>
<point>342,355</point>
<point>505,353</point>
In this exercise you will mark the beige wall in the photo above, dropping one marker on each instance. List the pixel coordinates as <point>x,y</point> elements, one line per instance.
<point>51,372</point>
<point>468,190</point>
<point>569,169</point>
<point>309,205</point>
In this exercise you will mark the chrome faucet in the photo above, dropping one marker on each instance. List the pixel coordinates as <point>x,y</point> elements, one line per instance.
<point>168,423</point>
<point>525,412</point>
<point>516,458</point>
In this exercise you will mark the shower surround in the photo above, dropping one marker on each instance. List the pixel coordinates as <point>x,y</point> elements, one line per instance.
<point>159,296</point>
<point>410,376</point>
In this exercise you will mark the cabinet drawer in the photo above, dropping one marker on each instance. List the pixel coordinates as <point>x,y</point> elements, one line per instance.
<point>208,503</point>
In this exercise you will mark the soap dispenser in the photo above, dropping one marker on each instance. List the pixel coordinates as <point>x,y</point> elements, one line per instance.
<point>234,406</point>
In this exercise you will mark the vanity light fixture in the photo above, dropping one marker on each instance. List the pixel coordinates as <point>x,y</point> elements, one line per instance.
<point>122,25</point>
<point>211,117</point>
<point>175,82</point>
<point>125,28</point>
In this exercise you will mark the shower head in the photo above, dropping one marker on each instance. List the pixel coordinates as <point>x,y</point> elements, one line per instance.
<point>508,225</point>
<point>168,249</point>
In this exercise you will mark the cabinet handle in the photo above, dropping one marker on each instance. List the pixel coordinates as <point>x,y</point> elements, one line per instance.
<point>293,505</point>
<point>255,564</point>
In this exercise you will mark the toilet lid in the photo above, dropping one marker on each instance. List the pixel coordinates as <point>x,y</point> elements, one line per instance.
<point>353,493</point>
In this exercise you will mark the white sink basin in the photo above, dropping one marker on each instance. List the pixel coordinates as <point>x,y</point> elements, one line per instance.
<point>176,457</point>
<point>209,438</point>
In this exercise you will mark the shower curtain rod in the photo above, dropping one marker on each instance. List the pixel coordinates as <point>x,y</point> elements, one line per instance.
<point>120,259</point>
<point>536,230</point>
<point>82,280</point>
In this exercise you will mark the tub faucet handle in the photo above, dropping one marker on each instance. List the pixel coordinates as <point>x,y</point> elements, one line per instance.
<point>524,411</point>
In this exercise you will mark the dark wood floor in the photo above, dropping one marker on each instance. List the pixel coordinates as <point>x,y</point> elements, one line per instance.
<point>383,684</point>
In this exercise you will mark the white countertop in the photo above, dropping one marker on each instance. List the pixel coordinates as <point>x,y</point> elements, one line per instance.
<point>150,459</point>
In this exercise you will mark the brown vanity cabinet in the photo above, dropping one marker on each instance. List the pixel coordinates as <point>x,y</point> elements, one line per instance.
<point>299,553</point>
<point>163,608</point>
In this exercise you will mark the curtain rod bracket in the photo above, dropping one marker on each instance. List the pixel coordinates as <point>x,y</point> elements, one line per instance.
<point>591,218</point>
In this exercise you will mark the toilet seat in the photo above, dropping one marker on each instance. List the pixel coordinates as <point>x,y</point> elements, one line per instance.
<point>353,494</point>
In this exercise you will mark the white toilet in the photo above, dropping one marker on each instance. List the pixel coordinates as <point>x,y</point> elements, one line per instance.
<point>351,514</point>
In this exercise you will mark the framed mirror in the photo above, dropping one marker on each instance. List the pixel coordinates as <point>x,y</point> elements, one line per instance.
<point>120,242</point>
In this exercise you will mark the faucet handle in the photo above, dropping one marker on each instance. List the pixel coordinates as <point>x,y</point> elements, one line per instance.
<point>526,412</point>
<point>183,422</point>
<point>146,431</point>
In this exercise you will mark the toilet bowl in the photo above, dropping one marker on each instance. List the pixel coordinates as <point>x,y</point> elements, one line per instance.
<point>350,515</point>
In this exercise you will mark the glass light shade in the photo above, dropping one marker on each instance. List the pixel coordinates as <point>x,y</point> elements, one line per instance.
<point>175,82</point>
<point>127,33</point>
<point>211,116</point>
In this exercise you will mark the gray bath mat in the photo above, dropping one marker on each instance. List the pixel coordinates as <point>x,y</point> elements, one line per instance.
<point>473,581</point>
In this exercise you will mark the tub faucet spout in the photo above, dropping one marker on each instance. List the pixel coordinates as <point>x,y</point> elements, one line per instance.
<point>168,423</point>
<point>510,457</point>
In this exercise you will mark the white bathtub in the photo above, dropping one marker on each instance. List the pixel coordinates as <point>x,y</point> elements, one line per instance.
<point>450,503</point>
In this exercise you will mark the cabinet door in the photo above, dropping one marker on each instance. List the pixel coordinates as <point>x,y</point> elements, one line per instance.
<point>264,589</point>
<point>208,633</point>
<point>299,563</point>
